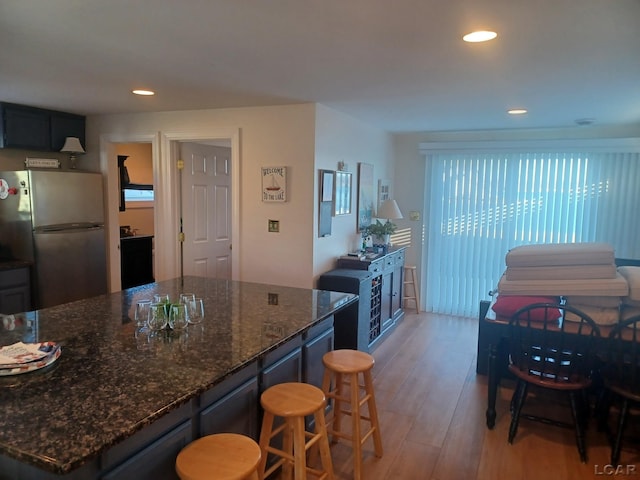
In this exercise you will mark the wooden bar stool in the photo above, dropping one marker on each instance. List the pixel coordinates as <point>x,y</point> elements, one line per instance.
<point>411,286</point>
<point>293,402</point>
<point>223,456</point>
<point>346,365</point>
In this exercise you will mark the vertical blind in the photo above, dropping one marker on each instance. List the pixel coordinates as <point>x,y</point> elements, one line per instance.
<point>481,205</point>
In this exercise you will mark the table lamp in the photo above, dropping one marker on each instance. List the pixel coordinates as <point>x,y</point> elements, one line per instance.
<point>72,146</point>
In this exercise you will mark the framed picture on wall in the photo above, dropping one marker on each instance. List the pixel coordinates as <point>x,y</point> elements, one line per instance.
<point>383,191</point>
<point>274,184</point>
<point>327,185</point>
<point>342,193</point>
<point>366,195</point>
<point>325,211</point>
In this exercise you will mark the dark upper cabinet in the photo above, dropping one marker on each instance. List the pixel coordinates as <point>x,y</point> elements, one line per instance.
<point>24,127</point>
<point>65,125</point>
<point>32,128</point>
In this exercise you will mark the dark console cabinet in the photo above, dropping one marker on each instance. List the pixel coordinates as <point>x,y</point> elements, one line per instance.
<point>32,128</point>
<point>352,325</point>
<point>379,284</point>
<point>136,260</point>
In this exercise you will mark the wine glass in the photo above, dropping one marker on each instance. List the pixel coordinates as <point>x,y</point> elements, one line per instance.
<point>196,311</point>
<point>178,318</point>
<point>157,316</point>
<point>142,312</point>
<point>161,298</point>
<point>187,297</point>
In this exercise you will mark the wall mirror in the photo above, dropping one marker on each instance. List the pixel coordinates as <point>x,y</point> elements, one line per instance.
<point>342,193</point>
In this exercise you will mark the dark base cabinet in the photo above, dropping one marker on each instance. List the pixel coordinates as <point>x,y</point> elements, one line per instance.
<point>378,284</point>
<point>353,324</point>
<point>230,406</point>
<point>15,290</point>
<point>136,260</point>
<point>312,353</point>
<point>154,447</point>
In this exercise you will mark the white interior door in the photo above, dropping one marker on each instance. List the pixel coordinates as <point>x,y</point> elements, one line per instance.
<point>206,210</point>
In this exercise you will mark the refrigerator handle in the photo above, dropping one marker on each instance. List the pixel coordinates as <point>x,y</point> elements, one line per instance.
<point>68,227</point>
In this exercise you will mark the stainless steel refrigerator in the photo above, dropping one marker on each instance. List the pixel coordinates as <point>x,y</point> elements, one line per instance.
<point>55,219</point>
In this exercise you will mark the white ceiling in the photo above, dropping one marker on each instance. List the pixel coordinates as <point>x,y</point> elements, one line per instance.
<point>396,64</point>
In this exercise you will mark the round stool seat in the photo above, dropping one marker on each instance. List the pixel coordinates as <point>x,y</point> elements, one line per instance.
<point>348,361</point>
<point>292,399</point>
<point>224,456</point>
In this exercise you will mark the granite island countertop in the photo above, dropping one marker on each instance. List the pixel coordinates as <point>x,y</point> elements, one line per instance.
<point>114,378</point>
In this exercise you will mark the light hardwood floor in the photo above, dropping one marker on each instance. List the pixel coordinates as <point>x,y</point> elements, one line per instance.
<point>432,404</point>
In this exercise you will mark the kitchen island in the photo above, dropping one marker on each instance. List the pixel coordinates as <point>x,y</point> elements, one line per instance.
<point>120,402</point>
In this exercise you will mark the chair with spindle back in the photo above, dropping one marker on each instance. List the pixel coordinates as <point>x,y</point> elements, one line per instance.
<point>621,376</point>
<point>548,351</point>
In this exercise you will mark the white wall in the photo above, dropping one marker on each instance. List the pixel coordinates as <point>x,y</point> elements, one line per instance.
<point>269,136</point>
<point>304,138</point>
<point>343,138</point>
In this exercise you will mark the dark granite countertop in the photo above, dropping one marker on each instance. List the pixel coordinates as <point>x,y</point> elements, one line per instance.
<point>113,379</point>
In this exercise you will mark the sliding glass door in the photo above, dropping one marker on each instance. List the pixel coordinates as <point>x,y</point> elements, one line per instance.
<point>483,204</point>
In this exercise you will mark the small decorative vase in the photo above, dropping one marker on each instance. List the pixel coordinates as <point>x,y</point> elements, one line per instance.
<point>382,239</point>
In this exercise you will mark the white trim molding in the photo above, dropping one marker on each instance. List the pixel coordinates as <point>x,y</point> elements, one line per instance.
<point>170,152</point>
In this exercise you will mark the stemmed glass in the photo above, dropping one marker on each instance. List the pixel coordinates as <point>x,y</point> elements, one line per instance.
<point>157,316</point>
<point>178,318</point>
<point>196,311</point>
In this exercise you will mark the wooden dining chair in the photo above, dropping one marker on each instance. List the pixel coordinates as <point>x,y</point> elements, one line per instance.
<point>548,351</point>
<point>621,378</point>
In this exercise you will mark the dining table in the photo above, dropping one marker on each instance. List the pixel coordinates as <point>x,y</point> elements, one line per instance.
<point>496,334</point>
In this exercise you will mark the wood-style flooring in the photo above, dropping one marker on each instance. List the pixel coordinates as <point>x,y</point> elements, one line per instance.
<point>431,406</point>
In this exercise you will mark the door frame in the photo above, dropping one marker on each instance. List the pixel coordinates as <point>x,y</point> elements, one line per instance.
<point>164,154</point>
<point>171,150</point>
<point>109,170</point>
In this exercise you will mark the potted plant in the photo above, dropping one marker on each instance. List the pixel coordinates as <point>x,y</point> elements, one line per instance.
<point>381,231</point>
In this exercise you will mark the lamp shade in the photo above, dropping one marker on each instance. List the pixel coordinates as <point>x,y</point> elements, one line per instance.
<point>389,210</point>
<point>72,144</point>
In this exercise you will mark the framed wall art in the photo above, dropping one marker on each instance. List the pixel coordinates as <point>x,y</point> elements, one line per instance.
<point>325,211</point>
<point>383,191</point>
<point>326,177</point>
<point>342,198</point>
<point>366,195</point>
<point>274,184</point>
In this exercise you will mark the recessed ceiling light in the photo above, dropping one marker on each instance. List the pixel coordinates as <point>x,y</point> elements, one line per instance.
<point>517,111</point>
<point>479,36</point>
<point>144,92</point>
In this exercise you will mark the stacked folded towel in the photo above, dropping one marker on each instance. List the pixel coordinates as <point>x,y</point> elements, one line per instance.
<point>584,273</point>
<point>630,303</point>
